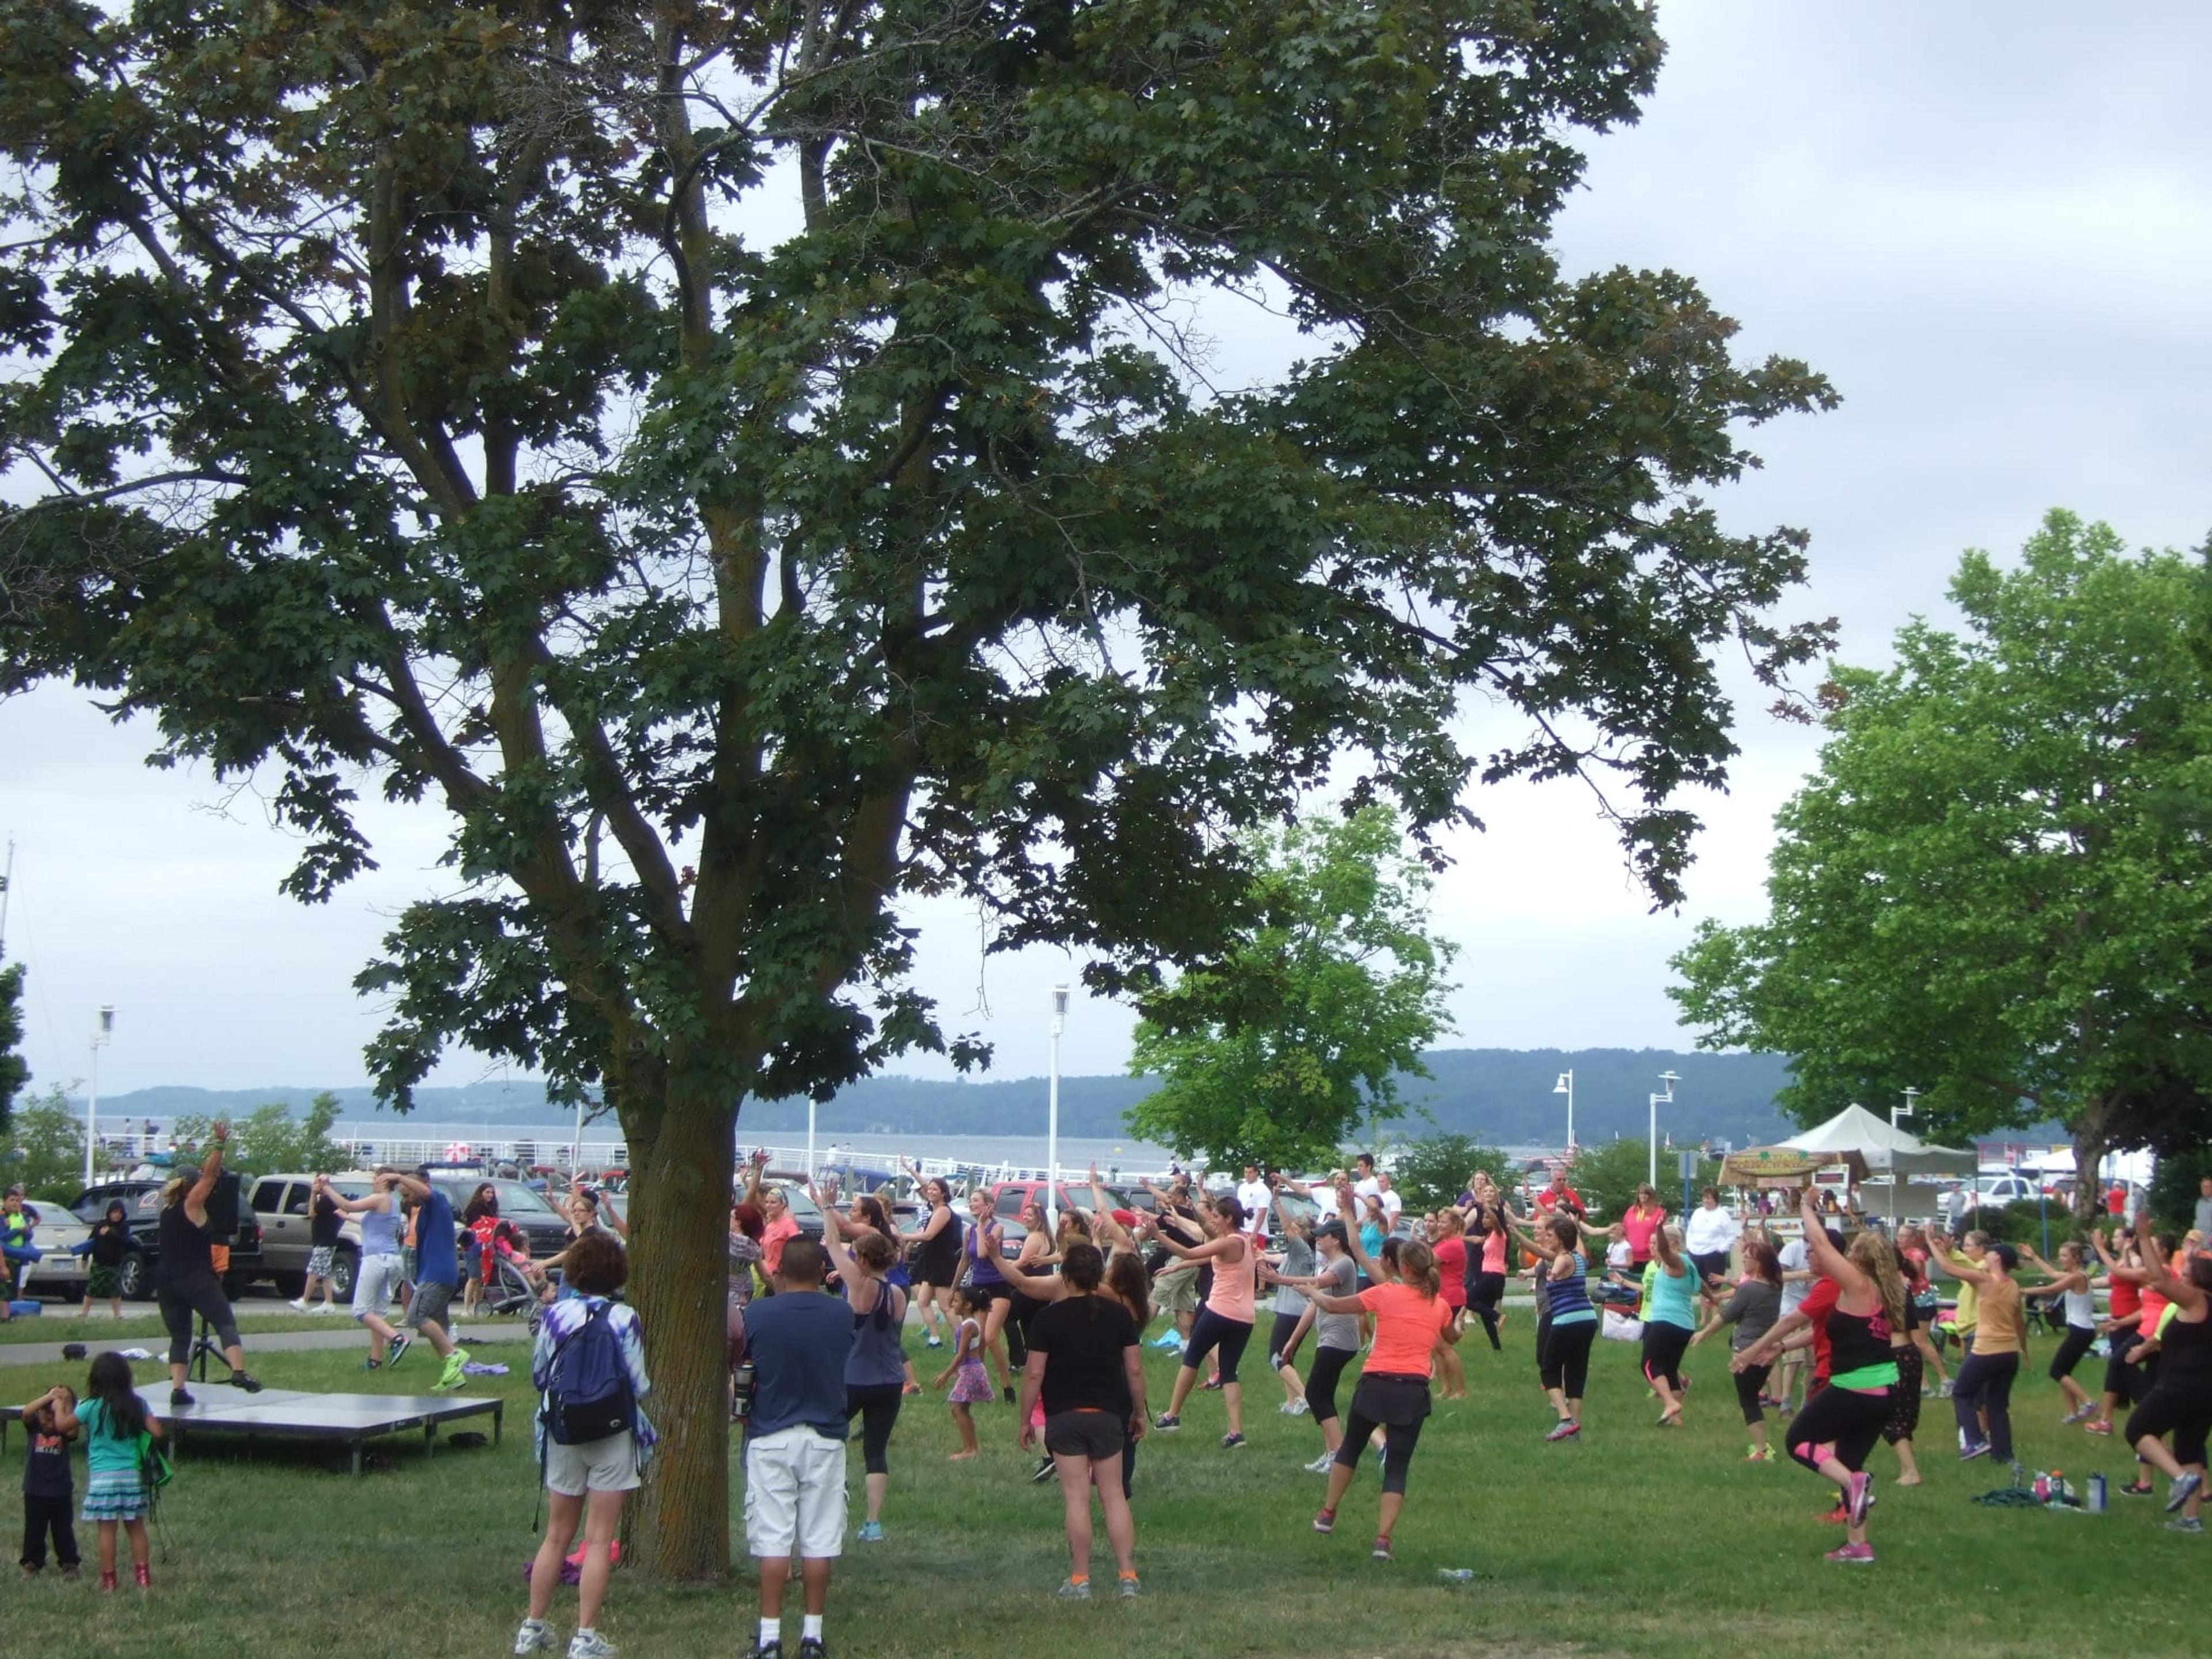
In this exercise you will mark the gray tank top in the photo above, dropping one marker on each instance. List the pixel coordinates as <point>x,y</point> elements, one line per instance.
<point>877,1359</point>
<point>380,1231</point>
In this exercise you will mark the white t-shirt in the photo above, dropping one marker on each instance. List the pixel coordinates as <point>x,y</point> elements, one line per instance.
<point>1391,1205</point>
<point>1324,1196</point>
<point>1709,1232</point>
<point>1255,1197</point>
<point>1368,1188</point>
<point>1796,1257</point>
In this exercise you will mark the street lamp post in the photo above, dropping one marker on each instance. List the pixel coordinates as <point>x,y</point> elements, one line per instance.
<point>1895,1114</point>
<point>1566,1086</point>
<point>1052,1114</point>
<point>1670,1079</point>
<point>102,1034</point>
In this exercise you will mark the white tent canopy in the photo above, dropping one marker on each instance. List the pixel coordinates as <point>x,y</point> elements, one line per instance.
<point>1889,1151</point>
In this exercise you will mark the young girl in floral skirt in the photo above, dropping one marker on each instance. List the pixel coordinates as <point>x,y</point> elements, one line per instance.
<point>971,1383</point>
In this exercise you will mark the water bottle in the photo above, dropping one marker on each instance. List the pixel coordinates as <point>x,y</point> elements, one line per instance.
<point>2096,1494</point>
<point>741,1391</point>
<point>2042,1488</point>
<point>1456,1575</point>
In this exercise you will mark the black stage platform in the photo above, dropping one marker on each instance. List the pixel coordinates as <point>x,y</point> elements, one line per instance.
<point>349,1419</point>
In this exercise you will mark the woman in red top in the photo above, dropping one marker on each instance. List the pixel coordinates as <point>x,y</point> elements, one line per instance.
<point>1411,1317</point>
<point>1643,1218</point>
<point>1448,1245</point>
<point>1487,1295</point>
<point>2125,1383</point>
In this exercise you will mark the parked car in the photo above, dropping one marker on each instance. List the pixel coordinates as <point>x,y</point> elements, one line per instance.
<point>281,1202</point>
<point>545,1227</point>
<point>54,1230</point>
<point>143,1199</point>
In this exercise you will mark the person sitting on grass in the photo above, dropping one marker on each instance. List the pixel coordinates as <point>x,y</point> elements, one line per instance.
<point>795,1442</point>
<point>437,1276</point>
<point>47,1488</point>
<point>116,1493</point>
<point>587,1481</point>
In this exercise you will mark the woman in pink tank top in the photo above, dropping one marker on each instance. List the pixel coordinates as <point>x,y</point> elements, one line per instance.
<point>1224,1324</point>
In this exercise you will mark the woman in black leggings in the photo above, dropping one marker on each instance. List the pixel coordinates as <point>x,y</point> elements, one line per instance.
<point>1485,1258</point>
<point>1336,1336</point>
<point>184,1281</point>
<point>875,1366</point>
<point>1839,1425</point>
<point>1411,1317</point>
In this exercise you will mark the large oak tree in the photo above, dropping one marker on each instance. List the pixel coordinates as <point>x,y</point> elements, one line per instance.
<point>749,463</point>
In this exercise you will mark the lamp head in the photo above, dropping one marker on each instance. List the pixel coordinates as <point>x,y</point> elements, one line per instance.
<point>1060,1002</point>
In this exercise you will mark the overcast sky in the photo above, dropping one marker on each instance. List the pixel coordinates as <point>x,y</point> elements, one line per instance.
<point>1988,223</point>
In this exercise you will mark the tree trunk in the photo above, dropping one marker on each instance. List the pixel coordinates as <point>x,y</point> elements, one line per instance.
<point>2091,1140</point>
<point>678,1255</point>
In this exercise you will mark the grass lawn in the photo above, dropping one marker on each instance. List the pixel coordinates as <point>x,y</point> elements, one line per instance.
<point>60,1323</point>
<point>1637,1540</point>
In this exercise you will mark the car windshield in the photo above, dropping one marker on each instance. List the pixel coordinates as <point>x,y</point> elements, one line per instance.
<point>802,1204</point>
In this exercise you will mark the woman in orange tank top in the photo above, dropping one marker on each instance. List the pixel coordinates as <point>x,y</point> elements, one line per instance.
<point>1224,1324</point>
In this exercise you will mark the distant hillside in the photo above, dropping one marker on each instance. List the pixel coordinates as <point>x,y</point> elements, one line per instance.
<point>1502,1095</point>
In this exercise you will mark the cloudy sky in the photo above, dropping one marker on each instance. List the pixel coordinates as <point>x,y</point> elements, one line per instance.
<point>1988,223</point>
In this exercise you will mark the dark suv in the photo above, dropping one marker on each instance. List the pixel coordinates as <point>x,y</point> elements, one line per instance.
<point>545,1228</point>
<point>142,1203</point>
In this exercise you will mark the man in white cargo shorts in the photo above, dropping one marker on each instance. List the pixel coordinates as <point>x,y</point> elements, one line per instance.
<point>797,1340</point>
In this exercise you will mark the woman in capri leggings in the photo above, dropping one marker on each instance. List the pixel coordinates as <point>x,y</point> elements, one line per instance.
<point>1569,1322</point>
<point>1839,1425</point>
<point>184,1281</point>
<point>1411,1317</point>
<point>1670,1320</point>
<point>2069,1285</point>
<point>1485,1290</point>
<point>1224,1323</point>
<point>1336,1335</point>
<point>1752,1307</point>
<point>2180,1403</point>
<point>875,1366</point>
<point>1983,1387</point>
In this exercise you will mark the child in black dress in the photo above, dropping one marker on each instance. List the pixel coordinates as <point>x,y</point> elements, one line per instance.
<point>48,1491</point>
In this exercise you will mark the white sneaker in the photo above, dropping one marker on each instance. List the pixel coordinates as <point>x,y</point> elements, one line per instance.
<point>590,1644</point>
<point>1320,1465</point>
<point>1298,1408</point>
<point>300,1306</point>
<point>533,1637</point>
<point>324,1307</point>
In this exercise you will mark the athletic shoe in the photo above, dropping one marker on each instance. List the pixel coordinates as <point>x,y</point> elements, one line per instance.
<point>872,1532</point>
<point>1838,1516</point>
<point>2136,1489</point>
<point>534,1637</point>
<point>2078,1415</point>
<point>934,1341</point>
<point>1566,1429</point>
<point>1860,1497</point>
<point>761,1650</point>
<point>1166,1424</point>
<point>299,1306</point>
<point>590,1644</point>
<point>371,1366</point>
<point>1043,1471</point>
<point>1128,1588</point>
<point>1298,1408</point>
<point>910,1390</point>
<point>1944,1392</point>
<point>2099,1426</point>
<point>1009,1392</point>
<point>1382,1547</point>
<point>1323,1464</point>
<point>1979,1449</point>
<point>1213,1383</point>
<point>324,1307</point>
<point>1760,1454</point>
<point>178,1397</point>
<point>246,1382</point>
<point>452,1376</point>
<point>400,1343</point>
<point>1853,1555</point>
<point>1231,1441</point>
<point>813,1646</point>
<point>1071,1590</point>
<point>1325,1521</point>
<point>2188,1523</point>
<point>2184,1485</point>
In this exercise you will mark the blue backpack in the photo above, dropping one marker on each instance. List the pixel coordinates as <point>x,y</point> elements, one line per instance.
<point>587,1393</point>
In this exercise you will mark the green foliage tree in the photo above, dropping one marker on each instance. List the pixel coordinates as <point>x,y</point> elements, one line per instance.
<point>1437,1168</point>
<point>271,1140</point>
<point>1996,888</point>
<point>750,464</point>
<point>14,1071</point>
<point>1275,1052</point>
<point>44,1145</point>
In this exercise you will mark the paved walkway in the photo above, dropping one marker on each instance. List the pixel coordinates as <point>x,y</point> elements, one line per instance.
<point>344,1334</point>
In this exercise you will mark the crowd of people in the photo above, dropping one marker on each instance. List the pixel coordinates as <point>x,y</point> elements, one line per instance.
<point>1840,1338</point>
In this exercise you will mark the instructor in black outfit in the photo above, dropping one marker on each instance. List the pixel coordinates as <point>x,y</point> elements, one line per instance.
<point>184,1281</point>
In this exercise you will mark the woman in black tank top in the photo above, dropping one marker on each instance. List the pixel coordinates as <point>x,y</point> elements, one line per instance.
<point>184,1281</point>
<point>2180,1403</point>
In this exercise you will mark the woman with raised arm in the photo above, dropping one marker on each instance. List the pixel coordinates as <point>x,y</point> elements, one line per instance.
<point>2180,1403</point>
<point>2124,1382</point>
<point>1569,1321</point>
<point>376,1272</point>
<point>936,1257</point>
<point>1752,1307</point>
<point>1411,1317</point>
<point>1838,1425</point>
<point>875,1366</point>
<point>1293,1316</point>
<point>1485,1294</point>
<point>1447,1244</point>
<point>2070,1286</point>
<point>184,1278</point>
<point>1670,1320</point>
<point>1983,1387</point>
<point>984,1249</point>
<point>1226,1321</point>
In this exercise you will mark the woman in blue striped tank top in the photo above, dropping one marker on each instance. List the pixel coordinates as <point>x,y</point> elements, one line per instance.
<point>1571,1321</point>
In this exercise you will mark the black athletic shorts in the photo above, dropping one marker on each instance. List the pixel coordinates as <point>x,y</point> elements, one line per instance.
<point>1092,1434</point>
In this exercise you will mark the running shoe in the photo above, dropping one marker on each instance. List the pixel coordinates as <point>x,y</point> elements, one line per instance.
<point>178,1397</point>
<point>2188,1523</point>
<point>2184,1485</point>
<point>1566,1429</point>
<point>1298,1408</point>
<point>452,1375</point>
<point>1944,1392</point>
<point>371,1366</point>
<point>1979,1449</point>
<point>590,1644</point>
<point>1382,1547</point>
<point>1859,1499</point>
<point>872,1532</point>
<point>1073,1590</point>
<point>1325,1521</point>
<point>1853,1555</point>
<point>1009,1392</point>
<point>324,1307</point>
<point>2101,1425</point>
<point>1231,1441</point>
<point>934,1342</point>
<point>1129,1589</point>
<point>299,1305</point>
<point>1213,1383</point>
<point>813,1646</point>
<point>761,1650</point>
<point>400,1343</point>
<point>2079,1413</point>
<point>1323,1464</point>
<point>2136,1489</point>
<point>246,1382</point>
<point>1043,1471</point>
<point>1838,1516</point>
<point>1167,1423</point>
<point>534,1637</point>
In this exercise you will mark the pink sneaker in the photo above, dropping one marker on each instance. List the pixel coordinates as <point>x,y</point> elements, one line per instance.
<point>1861,1554</point>
<point>1859,1497</point>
